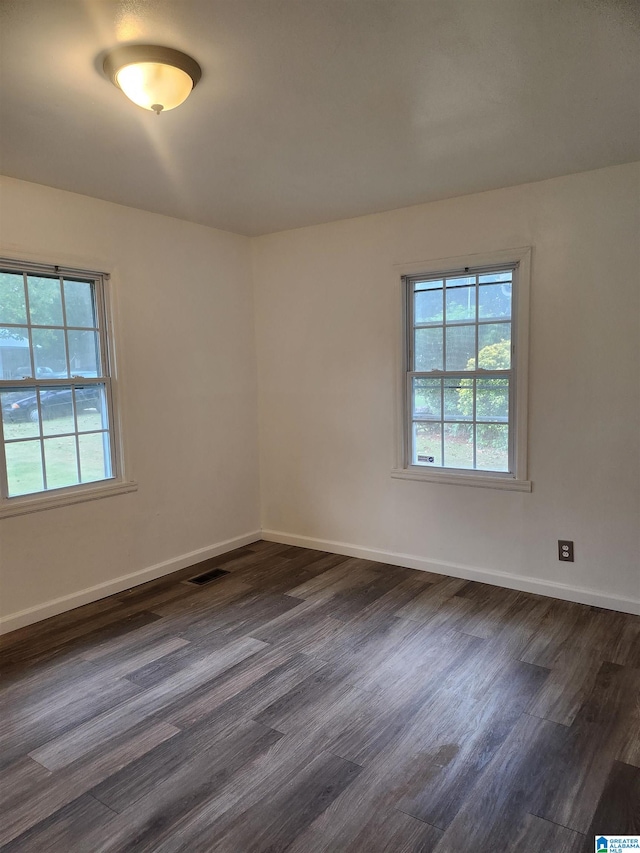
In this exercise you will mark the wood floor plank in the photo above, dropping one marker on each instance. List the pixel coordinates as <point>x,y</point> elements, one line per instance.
<point>245,690</point>
<point>183,756</point>
<point>372,795</point>
<point>348,603</point>
<point>48,797</point>
<point>21,777</point>
<point>629,749</point>
<point>213,722</point>
<point>394,832</point>
<point>150,819</point>
<point>26,729</point>
<point>310,701</point>
<point>61,829</point>
<point>81,739</point>
<point>243,617</point>
<point>491,609</point>
<point>220,797</point>
<point>23,638</point>
<point>471,736</point>
<point>318,703</point>
<point>387,714</point>
<point>394,600</point>
<point>618,810</point>
<point>505,792</point>
<point>291,573</point>
<point>561,621</point>
<point>338,577</point>
<point>288,569</point>
<point>273,823</point>
<point>571,680</point>
<point>205,600</point>
<point>626,650</point>
<point>74,640</point>
<point>300,629</point>
<point>424,605</point>
<point>520,624</point>
<point>533,833</point>
<point>585,751</point>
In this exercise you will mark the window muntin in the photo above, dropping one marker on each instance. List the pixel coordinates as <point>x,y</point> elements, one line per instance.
<point>55,381</point>
<point>460,384</point>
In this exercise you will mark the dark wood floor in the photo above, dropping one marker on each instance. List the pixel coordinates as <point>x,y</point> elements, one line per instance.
<point>310,702</point>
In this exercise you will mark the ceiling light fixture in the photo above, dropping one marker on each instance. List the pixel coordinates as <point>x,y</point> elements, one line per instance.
<point>156,78</point>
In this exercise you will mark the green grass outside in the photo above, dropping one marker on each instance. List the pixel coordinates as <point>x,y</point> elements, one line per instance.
<point>24,465</point>
<point>459,451</point>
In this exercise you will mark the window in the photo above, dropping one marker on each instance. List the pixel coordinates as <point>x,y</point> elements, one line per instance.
<point>464,373</point>
<point>58,419</point>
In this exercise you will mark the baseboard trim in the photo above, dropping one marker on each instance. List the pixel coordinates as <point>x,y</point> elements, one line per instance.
<point>510,581</point>
<point>56,606</point>
<point>85,596</point>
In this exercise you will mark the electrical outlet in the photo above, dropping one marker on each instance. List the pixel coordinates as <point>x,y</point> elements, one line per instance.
<point>565,550</point>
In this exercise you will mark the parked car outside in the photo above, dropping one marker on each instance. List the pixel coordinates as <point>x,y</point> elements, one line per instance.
<point>54,403</point>
<point>41,373</point>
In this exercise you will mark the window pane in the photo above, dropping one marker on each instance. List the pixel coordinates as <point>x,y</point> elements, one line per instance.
<point>494,300</point>
<point>428,349</point>
<point>91,407</point>
<point>492,450</point>
<point>56,407</point>
<point>428,306</point>
<point>45,301</point>
<point>61,462</point>
<point>79,304</point>
<point>94,457</point>
<point>15,362</point>
<point>428,285</point>
<point>13,307</point>
<point>49,353</point>
<point>427,399</point>
<point>465,395</point>
<point>84,358</point>
<point>24,467</point>
<point>492,399</point>
<point>458,445</point>
<point>461,281</point>
<point>427,444</point>
<point>21,407</point>
<point>454,408</point>
<point>461,347</point>
<point>461,304</point>
<point>20,413</point>
<point>496,276</point>
<point>494,346</point>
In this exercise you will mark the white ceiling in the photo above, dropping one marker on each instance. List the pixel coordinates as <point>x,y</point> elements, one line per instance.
<point>315,110</point>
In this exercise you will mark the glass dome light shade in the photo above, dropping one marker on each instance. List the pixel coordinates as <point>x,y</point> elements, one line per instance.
<point>154,85</point>
<point>154,77</point>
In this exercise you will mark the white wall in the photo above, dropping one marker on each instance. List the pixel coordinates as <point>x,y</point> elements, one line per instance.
<point>186,342</point>
<point>327,311</point>
<point>326,318</point>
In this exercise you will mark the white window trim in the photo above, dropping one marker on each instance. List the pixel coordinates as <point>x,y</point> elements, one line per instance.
<point>403,469</point>
<point>124,481</point>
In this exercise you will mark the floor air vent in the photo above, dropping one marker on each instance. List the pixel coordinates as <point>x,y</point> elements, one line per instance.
<point>207,577</point>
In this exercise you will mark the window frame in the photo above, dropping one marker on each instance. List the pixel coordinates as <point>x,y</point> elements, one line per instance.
<point>80,492</point>
<point>516,478</point>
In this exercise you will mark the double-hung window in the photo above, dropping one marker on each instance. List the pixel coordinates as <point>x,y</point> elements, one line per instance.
<point>58,419</point>
<point>464,373</point>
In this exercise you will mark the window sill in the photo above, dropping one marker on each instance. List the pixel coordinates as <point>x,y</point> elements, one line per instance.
<point>451,479</point>
<point>63,497</point>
